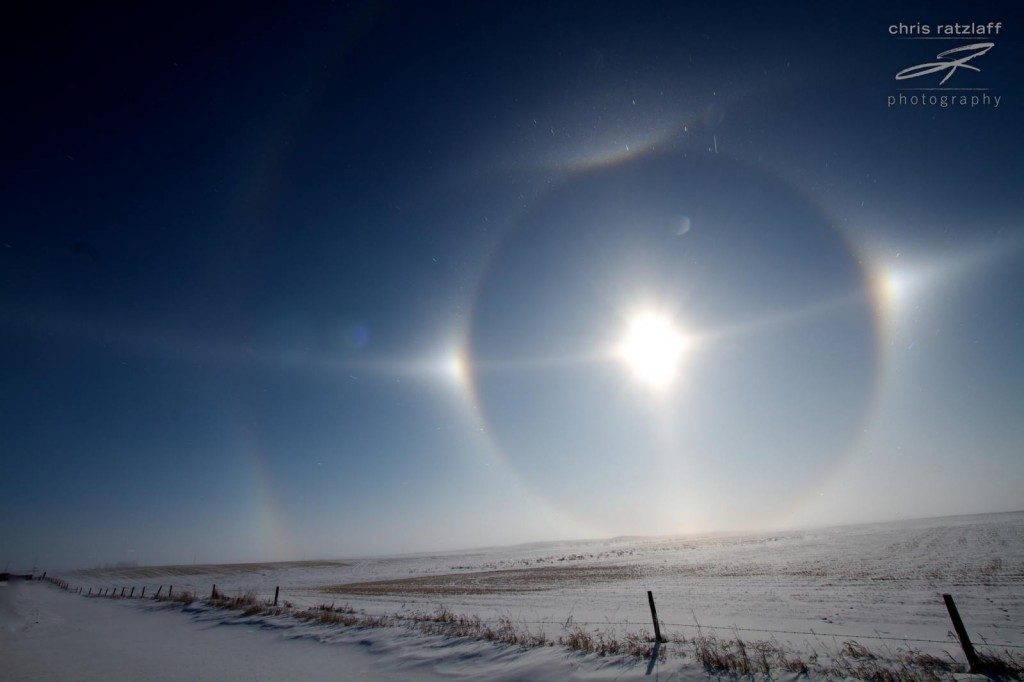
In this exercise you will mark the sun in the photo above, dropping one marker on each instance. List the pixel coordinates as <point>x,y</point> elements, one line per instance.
<point>652,347</point>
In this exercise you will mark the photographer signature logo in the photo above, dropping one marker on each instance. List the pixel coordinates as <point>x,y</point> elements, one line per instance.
<point>965,54</point>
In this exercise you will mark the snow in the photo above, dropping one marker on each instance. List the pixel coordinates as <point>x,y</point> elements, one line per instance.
<point>882,579</point>
<point>810,590</point>
<point>50,634</point>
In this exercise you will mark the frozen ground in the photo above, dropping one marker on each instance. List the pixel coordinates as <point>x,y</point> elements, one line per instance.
<point>808,590</point>
<point>873,580</point>
<point>49,634</point>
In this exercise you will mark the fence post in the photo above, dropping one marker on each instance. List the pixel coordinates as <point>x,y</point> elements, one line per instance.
<point>170,591</point>
<point>143,594</point>
<point>122,590</point>
<point>654,618</point>
<point>213,593</point>
<point>961,633</point>
<point>277,591</point>
<point>90,592</point>
<point>158,591</point>
<point>132,592</point>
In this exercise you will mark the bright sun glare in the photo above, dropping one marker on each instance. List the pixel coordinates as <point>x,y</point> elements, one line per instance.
<point>652,348</point>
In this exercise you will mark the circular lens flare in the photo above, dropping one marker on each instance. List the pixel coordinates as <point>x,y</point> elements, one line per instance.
<point>652,348</point>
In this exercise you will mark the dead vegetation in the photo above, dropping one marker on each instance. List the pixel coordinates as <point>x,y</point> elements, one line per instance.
<point>447,623</point>
<point>747,658</point>
<point>152,572</point>
<point>182,597</point>
<point>1005,664</point>
<point>246,600</point>
<point>634,644</point>
<point>717,655</point>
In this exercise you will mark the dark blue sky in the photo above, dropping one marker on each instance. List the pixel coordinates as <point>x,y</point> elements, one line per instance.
<point>349,278</point>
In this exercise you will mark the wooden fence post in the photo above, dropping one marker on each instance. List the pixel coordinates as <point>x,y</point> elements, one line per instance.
<point>213,593</point>
<point>961,633</point>
<point>130,594</point>
<point>170,591</point>
<point>158,591</point>
<point>654,618</point>
<point>122,590</point>
<point>277,591</point>
<point>143,595</point>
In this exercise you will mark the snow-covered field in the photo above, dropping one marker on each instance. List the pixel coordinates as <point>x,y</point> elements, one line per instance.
<point>809,590</point>
<point>877,579</point>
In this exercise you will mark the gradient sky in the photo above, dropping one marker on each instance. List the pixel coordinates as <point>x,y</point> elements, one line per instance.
<point>348,279</point>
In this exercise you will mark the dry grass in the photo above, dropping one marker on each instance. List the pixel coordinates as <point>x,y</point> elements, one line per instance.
<point>717,655</point>
<point>740,657</point>
<point>603,643</point>
<point>729,656</point>
<point>180,597</point>
<point>447,623</point>
<point>328,616</point>
<point>911,665</point>
<point>850,660</point>
<point>244,601</point>
<point>1005,664</point>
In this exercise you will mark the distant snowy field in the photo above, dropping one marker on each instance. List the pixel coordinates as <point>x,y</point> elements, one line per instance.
<point>861,582</point>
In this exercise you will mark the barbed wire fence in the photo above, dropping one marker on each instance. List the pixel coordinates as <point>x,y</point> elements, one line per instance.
<point>304,601</point>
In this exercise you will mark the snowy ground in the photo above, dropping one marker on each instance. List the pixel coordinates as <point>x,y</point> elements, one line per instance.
<point>881,579</point>
<point>809,590</point>
<point>49,634</point>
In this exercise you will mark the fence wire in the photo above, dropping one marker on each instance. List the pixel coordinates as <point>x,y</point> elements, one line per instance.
<point>307,601</point>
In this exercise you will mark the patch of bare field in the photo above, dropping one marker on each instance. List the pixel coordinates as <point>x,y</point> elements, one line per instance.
<point>143,572</point>
<point>493,582</point>
<point>542,578</point>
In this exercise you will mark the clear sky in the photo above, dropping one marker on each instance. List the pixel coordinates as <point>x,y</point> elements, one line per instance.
<point>348,279</point>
